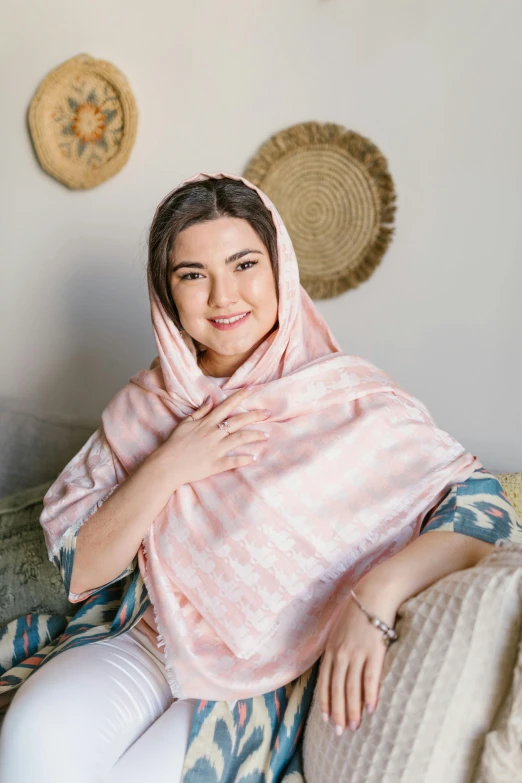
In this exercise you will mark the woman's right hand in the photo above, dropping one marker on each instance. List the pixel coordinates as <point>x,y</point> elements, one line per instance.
<point>198,449</point>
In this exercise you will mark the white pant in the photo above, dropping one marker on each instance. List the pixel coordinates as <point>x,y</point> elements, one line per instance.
<point>85,717</point>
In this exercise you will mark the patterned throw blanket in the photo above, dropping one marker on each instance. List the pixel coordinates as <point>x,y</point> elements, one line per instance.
<point>260,739</point>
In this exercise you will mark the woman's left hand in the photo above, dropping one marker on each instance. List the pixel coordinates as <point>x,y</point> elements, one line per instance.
<point>351,666</point>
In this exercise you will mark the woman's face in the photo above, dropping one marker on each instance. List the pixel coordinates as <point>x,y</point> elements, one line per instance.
<point>220,270</point>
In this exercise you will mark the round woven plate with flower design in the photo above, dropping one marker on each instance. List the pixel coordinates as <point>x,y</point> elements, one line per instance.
<point>83,121</point>
<point>334,192</point>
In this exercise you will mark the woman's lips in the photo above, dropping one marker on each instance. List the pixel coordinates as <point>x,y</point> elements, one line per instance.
<point>225,327</point>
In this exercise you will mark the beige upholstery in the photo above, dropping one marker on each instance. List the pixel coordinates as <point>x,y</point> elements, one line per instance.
<point>502,756</point>
<point>444,681</point>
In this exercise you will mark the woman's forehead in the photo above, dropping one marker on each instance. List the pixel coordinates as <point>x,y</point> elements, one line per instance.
<point>220,237</point>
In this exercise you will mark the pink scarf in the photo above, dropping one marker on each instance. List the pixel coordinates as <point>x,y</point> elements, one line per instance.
<point>246,569</point>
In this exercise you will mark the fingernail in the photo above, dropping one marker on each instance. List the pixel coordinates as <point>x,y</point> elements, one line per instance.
<point>353,725</point>
<point>324,716</point>
<point>370,709</point>
<point>267,413</point>
<point>267,434</point>
<point>338,729</point>
<point>254,456</point>
<point>249,387</point>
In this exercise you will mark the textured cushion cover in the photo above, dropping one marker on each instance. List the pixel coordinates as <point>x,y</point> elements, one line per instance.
<point>29,582</point>
<point>444,681</point>
<point>501,760</point>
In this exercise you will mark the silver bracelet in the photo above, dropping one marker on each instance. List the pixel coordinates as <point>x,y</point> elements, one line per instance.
<point>389,635</point>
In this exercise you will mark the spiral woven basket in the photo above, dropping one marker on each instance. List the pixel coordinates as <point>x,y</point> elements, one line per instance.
<point>336,197</point>
<point>83,120</point>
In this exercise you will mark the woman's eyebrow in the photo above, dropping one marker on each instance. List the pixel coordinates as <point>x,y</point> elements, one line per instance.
<point>199,265</point>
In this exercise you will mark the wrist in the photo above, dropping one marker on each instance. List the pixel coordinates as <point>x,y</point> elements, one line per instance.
<point>386,628</point>
<point>161,466</point>
<point>379,593</point>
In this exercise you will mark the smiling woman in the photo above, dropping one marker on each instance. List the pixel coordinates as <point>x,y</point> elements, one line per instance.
<point>239,489</point>
<point>213,264</point>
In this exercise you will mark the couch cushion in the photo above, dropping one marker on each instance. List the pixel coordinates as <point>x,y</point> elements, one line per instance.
<point>29,582</point>
<point>443,683</point>
<point>512,486</point>
<point>36,446</point>
<point>501,760</point>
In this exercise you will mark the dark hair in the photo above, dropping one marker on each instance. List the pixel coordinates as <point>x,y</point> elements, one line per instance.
<point>198,202</point>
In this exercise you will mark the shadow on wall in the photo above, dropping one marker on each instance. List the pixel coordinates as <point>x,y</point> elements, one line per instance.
<point>108,339</point>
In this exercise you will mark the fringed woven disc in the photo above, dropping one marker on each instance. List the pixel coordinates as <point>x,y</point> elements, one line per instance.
<point>83,121</point>
<point>336,197</point>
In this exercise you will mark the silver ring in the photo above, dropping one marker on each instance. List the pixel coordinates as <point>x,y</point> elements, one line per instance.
<point>224,425</point>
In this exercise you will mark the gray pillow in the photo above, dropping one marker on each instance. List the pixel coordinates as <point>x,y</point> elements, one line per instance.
<point>29,582</point>
<point>36,446</point>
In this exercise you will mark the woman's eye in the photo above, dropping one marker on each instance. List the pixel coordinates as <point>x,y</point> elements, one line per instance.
<point>190,276</point>
<point>195,275</point>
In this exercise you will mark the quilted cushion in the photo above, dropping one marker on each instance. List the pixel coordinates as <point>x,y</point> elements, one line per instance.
<point>501,760</point>
<point>29,582</point>
<point>444,681</point>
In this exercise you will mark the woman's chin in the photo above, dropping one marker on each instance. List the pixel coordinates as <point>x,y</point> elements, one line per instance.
<point>237,349</point>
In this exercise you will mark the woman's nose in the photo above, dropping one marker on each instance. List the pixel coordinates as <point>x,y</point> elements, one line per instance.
<point>223,292</point>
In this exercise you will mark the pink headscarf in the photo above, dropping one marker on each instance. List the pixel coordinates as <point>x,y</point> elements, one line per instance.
<point>246,569</point>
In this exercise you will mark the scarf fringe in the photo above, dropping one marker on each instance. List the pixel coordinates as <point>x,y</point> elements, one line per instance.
<point>169,671</point>
<point>72,532</point>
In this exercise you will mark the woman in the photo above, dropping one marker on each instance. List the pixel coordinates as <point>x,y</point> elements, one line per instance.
<point>214,526</point>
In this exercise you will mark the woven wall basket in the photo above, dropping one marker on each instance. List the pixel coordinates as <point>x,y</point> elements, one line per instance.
<point>83,121</point>
<point>336,197</point>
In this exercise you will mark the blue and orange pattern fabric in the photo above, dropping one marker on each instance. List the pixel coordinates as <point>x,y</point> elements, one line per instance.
<point>477,507</point>
<point>259,740</point>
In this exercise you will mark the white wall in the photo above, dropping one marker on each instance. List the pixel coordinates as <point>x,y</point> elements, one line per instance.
<point>435,84</point>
